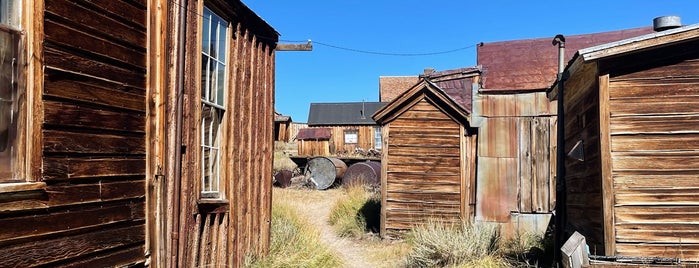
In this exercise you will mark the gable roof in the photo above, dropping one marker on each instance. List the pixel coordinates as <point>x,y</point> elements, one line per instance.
<point>344,113</point>
<point>456,83</point>
<point>627,46</point>
<point>423,89</point>
<point>532,64</point>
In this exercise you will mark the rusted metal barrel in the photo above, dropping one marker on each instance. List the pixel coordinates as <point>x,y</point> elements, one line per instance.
<point>323,171</point>
<point>363,173</point>
<point>283,178</point>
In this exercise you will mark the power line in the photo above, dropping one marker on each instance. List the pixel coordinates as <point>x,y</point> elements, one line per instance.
<point>383,53</point>
<point>355,50</point>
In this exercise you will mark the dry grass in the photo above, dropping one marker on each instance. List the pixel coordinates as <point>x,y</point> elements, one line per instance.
<point>437,244</point>
<point>283,162</point>
<point>295,243</point>
<point>356,213</point>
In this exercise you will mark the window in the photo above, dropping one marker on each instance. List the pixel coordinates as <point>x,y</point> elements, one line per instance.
<point>9,90</point>
<point>350,136</point>
<point>377,137</point>
<point>214,44</point>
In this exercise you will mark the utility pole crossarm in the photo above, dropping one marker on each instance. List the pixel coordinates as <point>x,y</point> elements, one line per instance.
<point>295,47</point>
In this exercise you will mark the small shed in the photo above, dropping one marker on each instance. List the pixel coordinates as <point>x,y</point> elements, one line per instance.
<point>282,127</point>
<point>314,141</point>
<point>428,159</point>
<point>351,127</point>
<point>632,114</point>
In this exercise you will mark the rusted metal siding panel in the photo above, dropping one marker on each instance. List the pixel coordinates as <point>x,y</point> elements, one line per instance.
<point>423,174</point>
<point>497,138</point>
<point>496,193</point>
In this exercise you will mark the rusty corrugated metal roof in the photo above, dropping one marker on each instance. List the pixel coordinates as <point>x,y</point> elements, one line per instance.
<point>532,64</point>
<point>314,134</point>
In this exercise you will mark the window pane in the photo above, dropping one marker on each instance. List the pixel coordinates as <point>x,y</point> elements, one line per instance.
<point>223,28</point>
<point>8,109</point>
<point>377,137</point>
<point>206,34</point>
<point>9,12</point>
<point>219,84</point>
<point>204,76</point>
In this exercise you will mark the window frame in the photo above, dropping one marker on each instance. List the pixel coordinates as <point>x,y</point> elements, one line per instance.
<point>378,138</point>
<point>213,104</point>
<point>351,132</point>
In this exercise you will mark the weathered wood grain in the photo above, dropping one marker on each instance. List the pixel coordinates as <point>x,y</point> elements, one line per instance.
<point>15,228</point>
<point>76,168</point>
<point>98,23</point>
<point>71,62</point>
<point>59,114</point>
<point>56,141</point>
<point>47,251</point>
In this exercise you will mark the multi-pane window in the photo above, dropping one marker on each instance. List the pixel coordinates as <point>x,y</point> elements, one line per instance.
<point>213,82</point>
<point>377,137</point>
<point>9,87</point>
<point>350,136</point>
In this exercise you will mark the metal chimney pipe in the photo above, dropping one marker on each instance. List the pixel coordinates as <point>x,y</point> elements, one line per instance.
<point>561,197</point>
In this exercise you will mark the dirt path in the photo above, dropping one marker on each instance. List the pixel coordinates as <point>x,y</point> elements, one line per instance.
<point>318,213</point>
<point>371,252</point>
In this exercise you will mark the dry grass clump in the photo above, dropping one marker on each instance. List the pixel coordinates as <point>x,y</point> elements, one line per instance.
<point>356,213</point>
<point>295,243</point>
<point>437,244</point>
<point>283,162</point>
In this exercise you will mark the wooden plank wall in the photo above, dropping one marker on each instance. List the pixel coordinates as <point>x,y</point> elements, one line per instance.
<point>654,130</point>
<point>423,169</point>
<point>294,130</point>
<point>313,147</point>
<point>365,139</point>
<point>93,140</point>
<point>224,235</point>
<point>515,155</point>
<point>584,178</point>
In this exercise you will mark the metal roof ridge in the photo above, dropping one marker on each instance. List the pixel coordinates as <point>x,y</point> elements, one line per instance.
<point>592,49</point>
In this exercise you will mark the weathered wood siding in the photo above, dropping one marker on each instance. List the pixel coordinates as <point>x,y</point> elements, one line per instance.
<point>222,233</point>
<point>92,136</point>
<point>654,133</point>
<point>313,147</point>
<point>337,145</point>
<point>423,168</point>
<point>584,178</point>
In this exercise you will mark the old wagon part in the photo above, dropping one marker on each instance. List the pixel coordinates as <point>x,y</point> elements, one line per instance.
<point>283,178</point>
<point>363,173</point>
<point>323,171</point>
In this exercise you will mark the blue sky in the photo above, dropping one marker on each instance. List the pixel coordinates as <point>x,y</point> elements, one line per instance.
<point>329,74</point>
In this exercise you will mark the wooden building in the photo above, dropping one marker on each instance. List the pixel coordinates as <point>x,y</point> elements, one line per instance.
<point>514,123</point>
<point>351,127</point>
<point>428,159</point>
<point>314,141</point>
<point>282,127</point>
<point>516,128</point>
<point>119,148</point>
<point>633,107</point>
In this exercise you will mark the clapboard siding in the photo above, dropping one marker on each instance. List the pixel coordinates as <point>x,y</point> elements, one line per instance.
<point>336,145</point>
<point>644,153</point>
<point>424,171</point>
<point>663,99</point>
<point>92,140</point>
